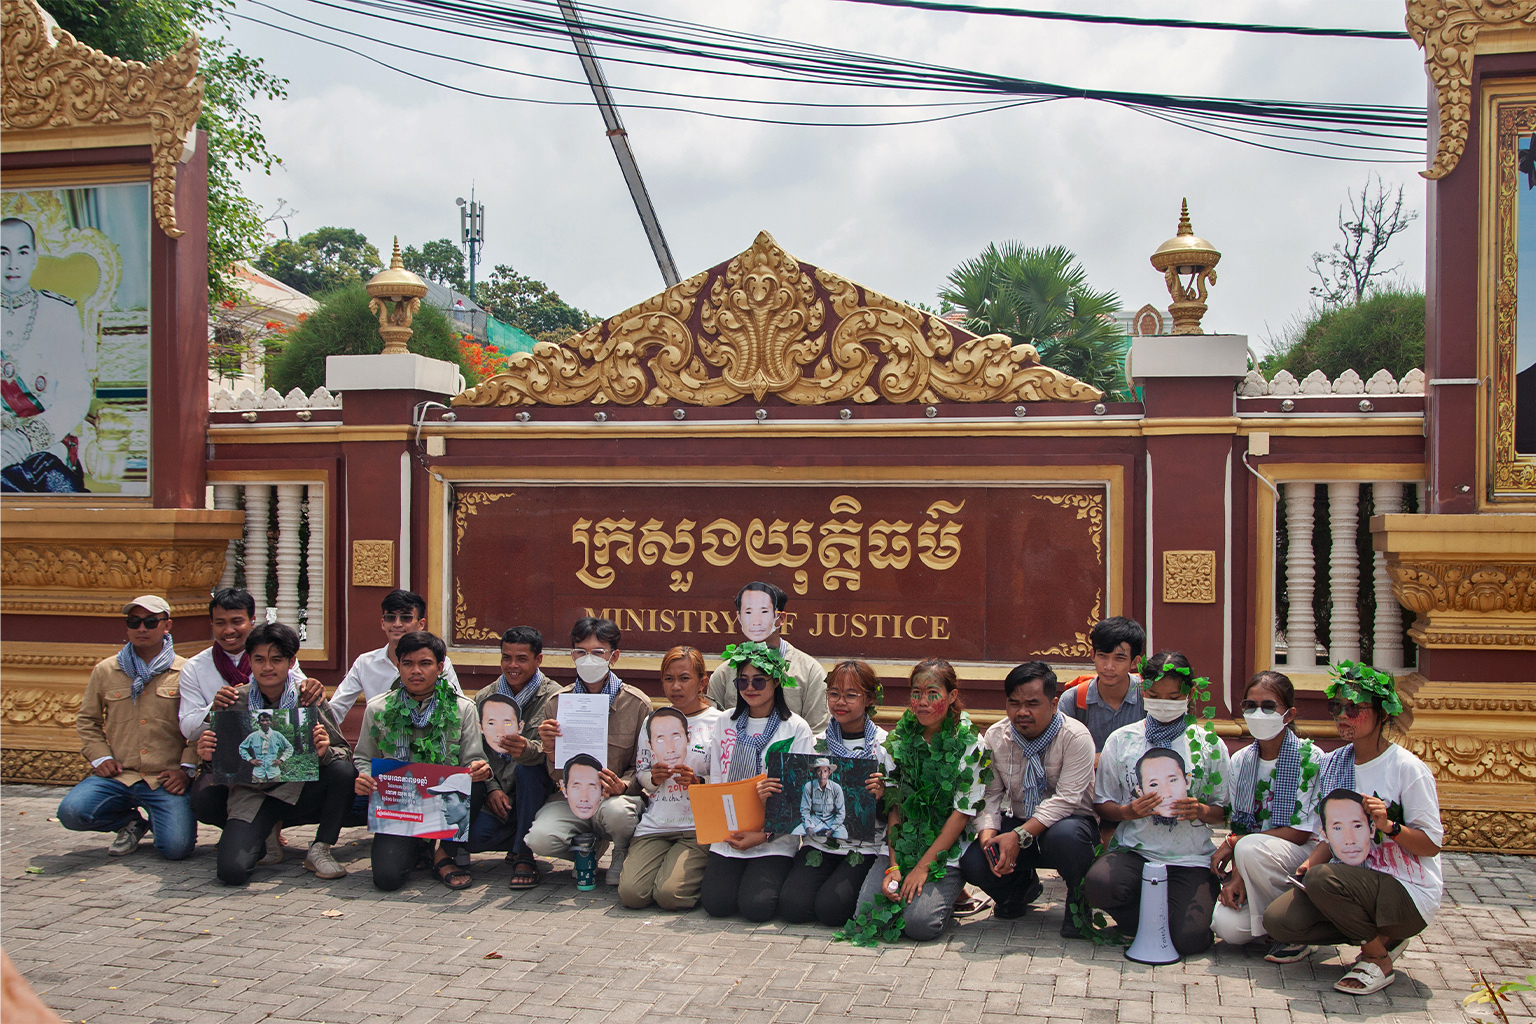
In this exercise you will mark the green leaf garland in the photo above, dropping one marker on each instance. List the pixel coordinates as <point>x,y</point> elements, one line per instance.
<point>438,743</point>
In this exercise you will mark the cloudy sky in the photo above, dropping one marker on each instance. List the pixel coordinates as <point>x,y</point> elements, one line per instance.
<point>895,208</point>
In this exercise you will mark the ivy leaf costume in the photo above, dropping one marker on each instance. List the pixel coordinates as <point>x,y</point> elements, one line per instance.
<point>394,729</point>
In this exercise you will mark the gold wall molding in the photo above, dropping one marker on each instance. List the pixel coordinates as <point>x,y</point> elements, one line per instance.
<point>87,99</point>
<point>39,707</point>
<point>59,767</point>
<point>373,563</point>
<point>1447,31</point>
<point>1509,114</point>
<point>763,323</point>
<point>1189,577</point>
<point>1490,831</point>
<point>105,566</point>
<point>1089,507</point>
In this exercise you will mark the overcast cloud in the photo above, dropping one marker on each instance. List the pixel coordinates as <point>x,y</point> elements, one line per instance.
<point>895,208</point>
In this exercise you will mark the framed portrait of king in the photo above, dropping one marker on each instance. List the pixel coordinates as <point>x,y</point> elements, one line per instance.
<point>75,357</point>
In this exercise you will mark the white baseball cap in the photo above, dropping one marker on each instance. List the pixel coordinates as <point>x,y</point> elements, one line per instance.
<point>456,783</point>
<point>150,603</point>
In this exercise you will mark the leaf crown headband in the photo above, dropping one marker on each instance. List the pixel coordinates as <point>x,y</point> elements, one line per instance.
<point>1359,683</point>
<point>769,659</point>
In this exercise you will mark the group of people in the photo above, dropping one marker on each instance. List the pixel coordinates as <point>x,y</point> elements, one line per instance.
<point>1094,780</point>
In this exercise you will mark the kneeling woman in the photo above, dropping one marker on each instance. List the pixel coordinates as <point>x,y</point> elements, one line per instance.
<point>940,771</point>
<point>745,873</point>
<point>828,873</point>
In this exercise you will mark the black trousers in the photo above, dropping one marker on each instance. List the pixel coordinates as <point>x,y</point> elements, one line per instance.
<point>1066,847</point>
<point>394,858</point>
<point>1113,885</point>
<point>210,800</point>
<point>323,802</point>
<point>748,886</point>
<point>828,892</point>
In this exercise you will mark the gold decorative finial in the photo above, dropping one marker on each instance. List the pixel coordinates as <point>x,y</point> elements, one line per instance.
<point>403,291</point>
<point>1188,264</point>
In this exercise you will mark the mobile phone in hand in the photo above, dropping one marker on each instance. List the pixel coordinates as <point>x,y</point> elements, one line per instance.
<point>994,854</point>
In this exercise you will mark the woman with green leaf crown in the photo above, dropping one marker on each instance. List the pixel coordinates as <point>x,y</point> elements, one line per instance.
<point>746,873</point>
<point>828,873</point>
<point>1394,895</point>
<point>1165,780</point>
<point>1275,797</point>
<point>940,771</point>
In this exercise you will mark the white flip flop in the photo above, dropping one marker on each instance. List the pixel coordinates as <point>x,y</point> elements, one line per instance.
<point>1368,975</point>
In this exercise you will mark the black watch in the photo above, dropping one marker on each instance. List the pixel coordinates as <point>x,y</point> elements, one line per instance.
<point>1395,830</point>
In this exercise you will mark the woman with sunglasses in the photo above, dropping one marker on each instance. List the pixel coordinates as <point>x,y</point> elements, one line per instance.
<point>745,873</point>
<point>1393,896</point>
<point>1275,793</point>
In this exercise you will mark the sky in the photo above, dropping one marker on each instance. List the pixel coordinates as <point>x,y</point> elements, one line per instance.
<point>894,208</point>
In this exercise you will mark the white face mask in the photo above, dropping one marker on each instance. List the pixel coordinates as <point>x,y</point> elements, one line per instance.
<point>593,668</point>
<point>1166,711</point>
<point>1265,725</point>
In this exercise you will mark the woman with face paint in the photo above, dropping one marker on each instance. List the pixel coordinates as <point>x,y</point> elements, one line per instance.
<point>1275,793</point>
<point>1393,896</point>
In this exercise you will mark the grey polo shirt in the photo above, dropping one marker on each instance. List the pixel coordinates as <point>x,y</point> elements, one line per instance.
<point>1100,719</point>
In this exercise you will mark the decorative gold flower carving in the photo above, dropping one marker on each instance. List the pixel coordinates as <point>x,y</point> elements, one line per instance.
<point>111,567</point>
<point>373,563</point>
<point>46,766</point>
<point>1189,577</point>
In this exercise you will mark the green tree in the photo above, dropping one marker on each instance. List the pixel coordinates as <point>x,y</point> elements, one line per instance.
<point>529,305</point>
<point>147,30</point>
<point>322,261</point>
<point>1386,331</point>
<point>440,261</point>
<point>344,326</point>
<point>1041,297</point>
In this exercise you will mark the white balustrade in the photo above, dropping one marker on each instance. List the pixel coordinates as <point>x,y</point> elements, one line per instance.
<point>1300,630</point>
<point>1344,570</point>
<point>289,516</point>
<point>258,501</point>
<point>314,513</point>
<point>1387,630</point>
<point>227,496</point>
<point>299,560</point>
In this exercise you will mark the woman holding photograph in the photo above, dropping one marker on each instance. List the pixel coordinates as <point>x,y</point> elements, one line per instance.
<point>940,769</point>
<point>665,865</point>
<point>746,873</point>
<point>1381,904</point>
<point>824,883</point>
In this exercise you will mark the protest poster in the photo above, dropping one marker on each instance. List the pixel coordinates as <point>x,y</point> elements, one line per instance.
<point>720,808</point>
<point>428,801</point>
<point>583,719</point>
<point>257,747</point>
<point>822,797</point>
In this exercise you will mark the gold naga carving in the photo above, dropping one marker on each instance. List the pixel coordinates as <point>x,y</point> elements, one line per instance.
<point>39,707</point>
<point>111,567</point>
<point>53,81</point>
<point>1189,577</point>
<point>763,324</point>
<point>1447,31</point>
<point>45,766</point>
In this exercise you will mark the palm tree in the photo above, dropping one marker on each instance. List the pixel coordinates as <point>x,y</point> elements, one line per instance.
<point>1041,297</point>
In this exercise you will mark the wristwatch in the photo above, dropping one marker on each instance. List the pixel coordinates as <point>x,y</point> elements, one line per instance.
<point>1026,837</point>
<point>1395,830</point>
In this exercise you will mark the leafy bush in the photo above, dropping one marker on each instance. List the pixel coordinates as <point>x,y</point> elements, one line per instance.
<point>344,326</point>
<point>1386,331</point>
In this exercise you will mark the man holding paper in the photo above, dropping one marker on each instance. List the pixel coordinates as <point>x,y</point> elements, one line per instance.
<point>577,723</point>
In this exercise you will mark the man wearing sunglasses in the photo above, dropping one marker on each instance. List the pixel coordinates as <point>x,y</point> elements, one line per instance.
<point>378,671</point>
<point>131,734</point>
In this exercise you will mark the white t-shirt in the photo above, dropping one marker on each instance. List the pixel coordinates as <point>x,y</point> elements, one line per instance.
<point>855,745</point>
<point>802,741</point>
<point>1306,802</point>
<point>372,674</point>
<point>1179,843</point>
<point>201,682</point>
<point>1406,785</point>
<point>668,809</point>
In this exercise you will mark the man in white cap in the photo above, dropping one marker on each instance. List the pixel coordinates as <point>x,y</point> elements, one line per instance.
<point>823,808</point>
<point>131,735</point>
<point>453,798</point>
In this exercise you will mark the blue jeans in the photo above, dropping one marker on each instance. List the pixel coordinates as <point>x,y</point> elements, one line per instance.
<point>487,832</point>
<point>107,805</point>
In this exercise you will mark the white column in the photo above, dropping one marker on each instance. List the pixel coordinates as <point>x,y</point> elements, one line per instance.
<point>258,502</point>
<point>289,515</point>
<point>1344,572</point>
<point>1387,629</point>
<point>227,496</point>
<point>314,615</point>
<point>1300,630</point>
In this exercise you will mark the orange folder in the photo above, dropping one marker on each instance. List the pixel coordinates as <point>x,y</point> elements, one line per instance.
<point>720,808</point>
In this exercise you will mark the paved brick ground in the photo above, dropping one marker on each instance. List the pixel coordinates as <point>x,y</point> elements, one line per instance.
<point>140,940</point>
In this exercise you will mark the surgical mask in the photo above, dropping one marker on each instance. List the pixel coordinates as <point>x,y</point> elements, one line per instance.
<point>1265,725</point>
<point>1166,711</point>
<point>593,668</point>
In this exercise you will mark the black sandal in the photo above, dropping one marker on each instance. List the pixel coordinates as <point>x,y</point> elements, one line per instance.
<point>446,869</point>
<point>525,873</point>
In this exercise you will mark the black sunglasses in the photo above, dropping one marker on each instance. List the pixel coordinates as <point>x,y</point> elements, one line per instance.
<point>1339,708</point>
<point>402,617</point>
<point>148,621</point>
<point>743,683</point>
<point>1253,705</point>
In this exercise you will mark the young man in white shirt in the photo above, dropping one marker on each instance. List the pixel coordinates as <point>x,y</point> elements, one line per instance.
<point>375,672</point>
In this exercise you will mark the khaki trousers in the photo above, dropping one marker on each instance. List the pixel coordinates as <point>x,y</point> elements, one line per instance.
<point>1343,904</point>
<point>667,870</point>
<point>1264,862</point>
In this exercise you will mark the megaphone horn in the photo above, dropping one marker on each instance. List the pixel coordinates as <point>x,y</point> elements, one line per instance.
<point>1154,944</point>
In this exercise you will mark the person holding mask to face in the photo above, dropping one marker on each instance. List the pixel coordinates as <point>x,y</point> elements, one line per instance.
<point>595,649</point>
<point>665,865</point>
<point>1274,815</point>
<point>760,614</point>
<point>1147,831</point>
<point>746,873</point>
<point>936,792</point>
<point>1394,896</point>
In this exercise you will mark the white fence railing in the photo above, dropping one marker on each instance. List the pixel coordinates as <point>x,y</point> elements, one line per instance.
<point>281,558</point>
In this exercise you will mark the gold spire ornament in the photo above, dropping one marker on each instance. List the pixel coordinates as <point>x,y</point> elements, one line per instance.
<point>403,291</point>
<point>1188,263</point>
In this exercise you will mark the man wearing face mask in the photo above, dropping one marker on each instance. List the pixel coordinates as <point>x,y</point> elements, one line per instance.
<point>760,613</point>
<point>595,649</point>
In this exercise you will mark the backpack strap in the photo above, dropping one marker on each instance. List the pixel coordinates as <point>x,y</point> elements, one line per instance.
<point>1080,688</point>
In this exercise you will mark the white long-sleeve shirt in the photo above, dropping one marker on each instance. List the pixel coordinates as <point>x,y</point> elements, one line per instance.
<point>200,683</point>
<point>372,674</point>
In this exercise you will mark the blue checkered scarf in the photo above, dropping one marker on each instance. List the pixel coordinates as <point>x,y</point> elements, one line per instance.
<point>1282,791</point>
<point>611,686</point>
<point>744,767</point>
<point>1164,734</point>
<point>287,702</point>
<point>522,700</point>
<point>837,747</point>
<point>134,667</point>
<point>1034,785</point>
<point>1338,770</point>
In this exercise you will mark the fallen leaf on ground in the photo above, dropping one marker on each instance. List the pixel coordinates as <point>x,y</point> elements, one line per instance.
<point>491,956</point>
<point>34,871</point>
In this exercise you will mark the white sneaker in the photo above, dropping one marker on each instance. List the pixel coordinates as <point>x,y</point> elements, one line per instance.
<point>322,862</point>
<point>274,854</point>
<point>127,839</point>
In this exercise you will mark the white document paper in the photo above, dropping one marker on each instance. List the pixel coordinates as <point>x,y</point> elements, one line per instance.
<point>729,803</point>
<point>583,719</point>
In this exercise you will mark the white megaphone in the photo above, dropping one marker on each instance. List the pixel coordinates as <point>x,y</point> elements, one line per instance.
<point>1153,945</point>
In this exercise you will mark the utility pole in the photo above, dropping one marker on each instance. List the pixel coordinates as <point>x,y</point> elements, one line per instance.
<point>472,228</point>
<point>620,141</point>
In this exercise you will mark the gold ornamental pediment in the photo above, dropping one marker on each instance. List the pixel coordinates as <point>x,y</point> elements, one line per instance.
<point>61,94</point>
<point>762,324</point>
